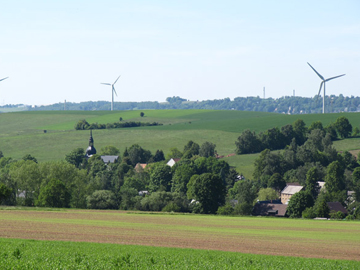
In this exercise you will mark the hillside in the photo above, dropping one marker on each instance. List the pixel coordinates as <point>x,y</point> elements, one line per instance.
<point>23,133</point>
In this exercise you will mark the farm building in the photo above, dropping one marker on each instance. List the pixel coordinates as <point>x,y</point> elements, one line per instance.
<point>337,207</point>
<point>288,191</point>
<point>172,161</point>
<point>275,209</point>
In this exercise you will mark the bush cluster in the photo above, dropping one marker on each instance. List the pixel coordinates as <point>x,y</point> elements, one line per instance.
<point>84,125</point>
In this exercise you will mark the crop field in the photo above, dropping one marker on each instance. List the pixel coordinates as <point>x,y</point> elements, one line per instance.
<point>31,254</point>
<point>266,236</point>
<point>22,133</point>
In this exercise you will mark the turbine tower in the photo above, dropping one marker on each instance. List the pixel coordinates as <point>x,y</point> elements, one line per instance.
<point>4,79</point>
<point>112,92</point>
<point>323,81</point>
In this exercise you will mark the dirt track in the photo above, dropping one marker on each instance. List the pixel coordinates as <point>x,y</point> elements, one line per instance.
<point>200,232</point>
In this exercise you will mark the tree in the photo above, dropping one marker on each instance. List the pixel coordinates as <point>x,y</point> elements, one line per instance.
<point>5,192</point>
<point>334,179</point>
<point>244,191</point>
<point>160,178</point>
<point>299,128</point>
<point>321,207</point>
<point>247,143</point>
<point>76,157</point>
<point>288,133</point>
<point>266,194</point>
<point>109,150</point>
<point>311,185</point>
<point>28,177</point>
<point>159,156</point>
<point>29,157</point>
<point>174,153</point>
<point>82,125</point>
<point>315,125</point>
<point>272,139</point>
<point>191,149</point>
<point>138,155</point>
<point>209,190</point>
<point>156,201</point>
<point>343,127</point>
<point>276,182</point>
<point>207,149</point>
<point>298,203</point>
<point>54,194</point>
<point>356,183</point>
<point>102,199</point>
<point>183,171</point>
<point>267,164</point>
<point>142,114</point>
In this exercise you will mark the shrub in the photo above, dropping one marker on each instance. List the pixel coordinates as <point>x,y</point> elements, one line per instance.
<point>102,199</point>
<point>243,209</point>
<point>225,210</point>
<point>337,215</point>
<point>171,207</point>
<point>309,213</point>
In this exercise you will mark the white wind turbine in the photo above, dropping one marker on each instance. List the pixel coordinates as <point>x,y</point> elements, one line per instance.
<point>4,79</point>
<point>323,81</point>
<point>112,92</point>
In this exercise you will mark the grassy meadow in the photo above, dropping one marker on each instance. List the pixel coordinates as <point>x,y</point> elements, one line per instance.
<point>22,133</point>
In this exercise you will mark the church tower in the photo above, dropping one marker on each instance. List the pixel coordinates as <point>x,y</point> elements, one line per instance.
<point>91,149</point>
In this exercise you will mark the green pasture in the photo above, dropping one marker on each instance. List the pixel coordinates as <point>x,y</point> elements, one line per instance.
<point>22,133</point>
<point>31,254</point>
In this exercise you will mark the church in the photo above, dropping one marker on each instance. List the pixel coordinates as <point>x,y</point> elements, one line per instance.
<point>90,151</point>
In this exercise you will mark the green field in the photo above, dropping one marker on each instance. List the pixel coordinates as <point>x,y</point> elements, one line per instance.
<point>31,254</point>
<point>22,133</point>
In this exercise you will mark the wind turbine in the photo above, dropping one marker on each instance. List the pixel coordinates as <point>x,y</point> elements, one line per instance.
<point>112,92</point>
<point>4,79</point>
<point>323,81</point>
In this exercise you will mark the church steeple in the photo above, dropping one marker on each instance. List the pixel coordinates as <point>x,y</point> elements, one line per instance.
<point>91,140</point>
<point>91,149</point>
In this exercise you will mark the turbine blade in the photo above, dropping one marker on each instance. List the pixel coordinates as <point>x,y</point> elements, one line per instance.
<point>113,88</point>
<point>4,79</point>
<point>106,83</point>
<point>321,84</point>
<point>116,80</point>
<point>321,77</point>
<point>334,77</point>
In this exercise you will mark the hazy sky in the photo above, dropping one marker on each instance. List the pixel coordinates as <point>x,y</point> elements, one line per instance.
<point>198,50</point>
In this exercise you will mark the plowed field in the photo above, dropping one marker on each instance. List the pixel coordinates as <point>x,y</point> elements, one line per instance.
<point>274,236</point>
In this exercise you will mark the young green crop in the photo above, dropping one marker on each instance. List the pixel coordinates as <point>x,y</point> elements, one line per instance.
<point>31,254</point>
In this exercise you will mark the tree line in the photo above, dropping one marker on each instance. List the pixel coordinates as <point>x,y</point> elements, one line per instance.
<point>275,138</point>
<point>309,158</point>
<point>287,104</point>
<point>84,125</point>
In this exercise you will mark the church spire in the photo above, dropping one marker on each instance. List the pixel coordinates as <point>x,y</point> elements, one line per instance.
<point>91,149</point>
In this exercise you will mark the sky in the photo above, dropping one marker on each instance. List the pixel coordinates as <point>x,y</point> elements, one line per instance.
<point>199,50</point>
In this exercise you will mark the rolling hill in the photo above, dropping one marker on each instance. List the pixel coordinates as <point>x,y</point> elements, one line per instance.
<point>23,133</point>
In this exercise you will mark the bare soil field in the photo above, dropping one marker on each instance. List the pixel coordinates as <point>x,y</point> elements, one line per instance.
<point>272,236</point>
